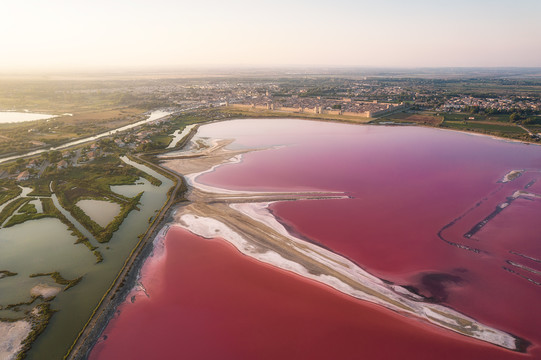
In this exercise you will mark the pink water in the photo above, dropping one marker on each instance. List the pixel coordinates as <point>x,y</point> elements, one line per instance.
<point>211,302</point>
<point>406,185</point>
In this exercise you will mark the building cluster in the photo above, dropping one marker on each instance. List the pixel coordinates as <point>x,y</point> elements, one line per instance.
<point>35,167</point>
<point>501,104</point>
<point>319,105</point>
<point>359,97</point>
<point>299,90</point>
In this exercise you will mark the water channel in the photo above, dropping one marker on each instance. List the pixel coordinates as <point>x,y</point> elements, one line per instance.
<point>46,245</point>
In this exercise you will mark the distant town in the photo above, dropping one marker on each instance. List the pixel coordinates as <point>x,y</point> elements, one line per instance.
<point>496,106</point>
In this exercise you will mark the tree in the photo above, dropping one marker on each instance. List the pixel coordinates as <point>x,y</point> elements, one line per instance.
<point>54,156</point>
<point>514,117</point>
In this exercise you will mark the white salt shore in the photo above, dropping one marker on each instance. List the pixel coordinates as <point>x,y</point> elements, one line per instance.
<point>45,290</point>
<point>11,336</point>
<point>191,179</point>
<point>364,285</point>
<point>511,175</point>
<point>387,295</point>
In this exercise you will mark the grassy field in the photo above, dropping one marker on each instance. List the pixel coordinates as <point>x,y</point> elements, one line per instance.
<point>499,118</point>
<point>429,118</point>
<point>11,207</point>
<point>505,130</point>
<point>496,125</point>
<point>161,141</point>
<point>534,128</point>
<point>63,96</point>
<point>8,190</point>
<point>492,88</point>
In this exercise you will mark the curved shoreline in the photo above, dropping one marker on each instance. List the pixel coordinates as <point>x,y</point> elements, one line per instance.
<point>139,257</point>
<point>258,234</point>
<point>243,219</point>
<point>341,121</point>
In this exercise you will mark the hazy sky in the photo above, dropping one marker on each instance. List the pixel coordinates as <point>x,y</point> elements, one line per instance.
<point>141,34</point>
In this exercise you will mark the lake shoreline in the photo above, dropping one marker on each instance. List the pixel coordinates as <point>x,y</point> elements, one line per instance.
<point>193,188</point>
<point>334,270</point>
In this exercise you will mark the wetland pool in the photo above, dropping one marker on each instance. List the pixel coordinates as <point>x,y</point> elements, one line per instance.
<point>46,245</point>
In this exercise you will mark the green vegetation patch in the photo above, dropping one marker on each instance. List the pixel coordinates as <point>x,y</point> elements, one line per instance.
<point>39,318</point>
<point>161,141</point>
<point>28,208</point>
<point>96,177</point>
<point>93,181</point>
<point>17,306</point>
<point>464,116</point>
<point>534,128</point>
<point>6,273</point>
<point>8,190</point>
<point>21,218</point>
<point>425,117</point>
<point>153,180</point>
<point>59,279</point>
<point>40,187</point>
<point>113,226</point>
<point>164,130</point>
<point>98,255</point>
<point>11,207</point>
<point>26,212</point>
<point>488,128</point>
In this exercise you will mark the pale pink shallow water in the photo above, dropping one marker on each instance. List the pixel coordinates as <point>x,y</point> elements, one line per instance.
<point>406,185</point>
<point>207,301</point>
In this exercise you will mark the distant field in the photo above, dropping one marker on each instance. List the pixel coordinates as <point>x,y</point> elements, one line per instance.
<point>161,141</point>
<point>477,117</point>
<point>492,87</point>
<point>109,115</point>
<point>510,129</point>
<point>57,97</point>
<point>490,124</point>
<point>419,118</point>
<point>497,125</point>
<point>534,128</point>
